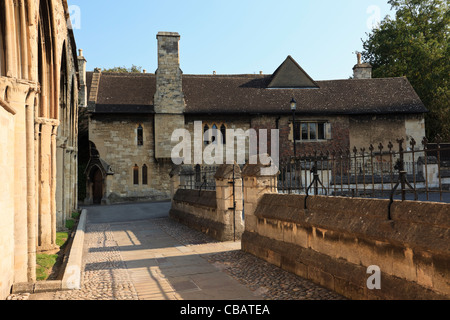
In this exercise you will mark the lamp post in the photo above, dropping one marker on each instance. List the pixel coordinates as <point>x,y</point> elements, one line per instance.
<point>294,109</point>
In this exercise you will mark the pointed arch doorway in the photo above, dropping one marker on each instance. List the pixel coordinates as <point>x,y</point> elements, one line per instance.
<point>97,185</point>
<point>97,173</point>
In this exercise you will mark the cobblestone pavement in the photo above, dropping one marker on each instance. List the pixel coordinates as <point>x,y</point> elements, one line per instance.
<point>266,280</point>
<point>105,275</point>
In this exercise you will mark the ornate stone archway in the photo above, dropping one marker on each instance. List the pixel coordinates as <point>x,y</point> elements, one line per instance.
<point>97,172</point>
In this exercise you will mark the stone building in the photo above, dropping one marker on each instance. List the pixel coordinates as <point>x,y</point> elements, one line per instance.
<point>38,132</point>
<point>132,116</point>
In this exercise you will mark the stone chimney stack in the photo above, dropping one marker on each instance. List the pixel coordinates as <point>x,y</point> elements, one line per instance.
<point>83,88</point>
<point>362,70</point>
<point>169,98</point>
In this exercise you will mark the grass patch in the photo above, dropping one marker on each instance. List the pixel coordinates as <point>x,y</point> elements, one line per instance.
<point>70,223</point>
<point>47,265</point>
<point>46,262</point>
<point>61,238</point>
<point>44,265</point>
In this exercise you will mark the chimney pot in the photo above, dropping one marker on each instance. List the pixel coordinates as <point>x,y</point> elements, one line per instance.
<point>362,70</point>
<point>80,52</point>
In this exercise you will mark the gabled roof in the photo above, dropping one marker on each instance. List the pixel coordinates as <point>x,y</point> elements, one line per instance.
<point>253,94</point>
<point>290,75</point>
<point>249,94</point>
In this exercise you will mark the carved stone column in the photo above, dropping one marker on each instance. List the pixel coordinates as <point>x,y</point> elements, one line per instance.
<point>53,184</point>
<point>47,185</point>
<point>45,219</point>
<point>31,187</point>
<point>17,94</point>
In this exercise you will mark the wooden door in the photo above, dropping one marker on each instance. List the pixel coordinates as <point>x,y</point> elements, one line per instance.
<point>98,187</point>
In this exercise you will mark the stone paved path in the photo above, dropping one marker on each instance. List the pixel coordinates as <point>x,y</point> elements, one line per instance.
<point>158,259</point>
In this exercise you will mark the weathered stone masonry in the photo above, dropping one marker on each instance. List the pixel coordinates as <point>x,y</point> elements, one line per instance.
<point>334,240</point>
<point>38,107</point>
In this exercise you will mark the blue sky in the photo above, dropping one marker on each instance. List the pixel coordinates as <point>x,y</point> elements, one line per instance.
<point>228,36</point>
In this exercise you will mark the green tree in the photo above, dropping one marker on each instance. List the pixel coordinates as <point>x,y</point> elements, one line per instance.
<point>416,44</point>
<point>133,69</point>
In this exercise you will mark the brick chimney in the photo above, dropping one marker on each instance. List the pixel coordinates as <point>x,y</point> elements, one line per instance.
<point>362,70</point>
<point>82,71</point>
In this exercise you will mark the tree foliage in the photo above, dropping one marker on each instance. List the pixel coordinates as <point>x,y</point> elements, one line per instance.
<point>416,44</point>
<point>133,69</point>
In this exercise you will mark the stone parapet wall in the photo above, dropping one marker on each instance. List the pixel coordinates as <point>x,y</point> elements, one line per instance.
<point>216,213</point>
<point>335,240</point>
<point>198,210</point>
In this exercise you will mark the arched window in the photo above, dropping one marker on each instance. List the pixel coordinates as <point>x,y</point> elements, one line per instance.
<point>140,136</point>
<point>145,175</point>
<point>214,134</point>
<point>73,112</point>
<point>205,136</point>
<point>7,97</point>
<point>223,130</point>
<point>18,38</point>
<point>136,175</point>
<point>2,39</point>
<point>63,80</point>
<point>46,63</point>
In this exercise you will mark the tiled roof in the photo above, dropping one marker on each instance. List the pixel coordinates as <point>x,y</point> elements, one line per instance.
<point>125,93</point>
<point>212,94</point>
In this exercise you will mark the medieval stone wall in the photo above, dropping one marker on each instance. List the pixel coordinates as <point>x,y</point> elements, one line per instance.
<point>366,130</point>
<point>217,213</point>
<point>38,82</point>
<point>6,202</point>
<point>115,137</point>
<point>335,240</point>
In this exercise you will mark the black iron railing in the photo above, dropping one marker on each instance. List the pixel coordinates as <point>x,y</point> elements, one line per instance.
<point>399,170</point>
<point>198,177</point>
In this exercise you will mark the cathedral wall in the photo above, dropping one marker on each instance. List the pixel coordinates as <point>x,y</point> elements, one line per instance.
<point>30,97</point>
<point>6,201</point>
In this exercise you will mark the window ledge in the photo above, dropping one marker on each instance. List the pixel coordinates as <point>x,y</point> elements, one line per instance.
<point>311,141</point>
